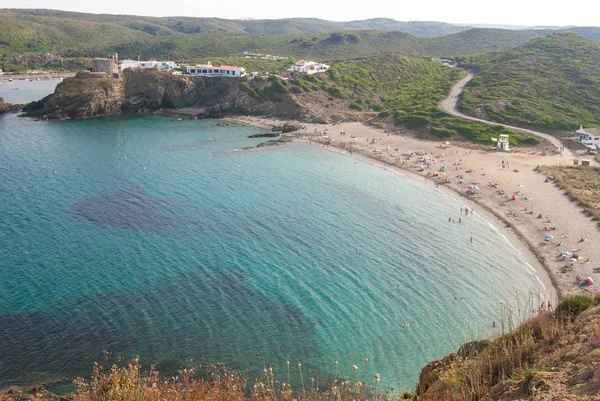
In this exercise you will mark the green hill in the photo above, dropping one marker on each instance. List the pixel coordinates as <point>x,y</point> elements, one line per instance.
<point>81,35</point>
<point>331,47</point>
<point>551,83</point>
<point>473,41</point>
<point>30,34</point>
<point>167,25</point>
<point>590,32</point>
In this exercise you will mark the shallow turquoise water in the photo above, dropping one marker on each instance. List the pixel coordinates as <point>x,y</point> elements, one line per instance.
<point>154,239</point>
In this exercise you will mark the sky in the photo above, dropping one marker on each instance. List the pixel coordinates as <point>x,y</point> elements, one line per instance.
<point>505,12</point>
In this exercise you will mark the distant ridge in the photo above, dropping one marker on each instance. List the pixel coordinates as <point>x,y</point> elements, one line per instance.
<point>160,26</point>
<point>29,38</point>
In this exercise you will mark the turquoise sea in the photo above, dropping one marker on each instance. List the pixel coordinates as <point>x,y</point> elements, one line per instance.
<point>159,237</point>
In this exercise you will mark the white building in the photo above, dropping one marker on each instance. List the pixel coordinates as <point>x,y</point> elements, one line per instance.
<point>309,67</point>
<point>503,143</point>
<point>210,70</point>
<point>135,64</point>
<point>588,136</point>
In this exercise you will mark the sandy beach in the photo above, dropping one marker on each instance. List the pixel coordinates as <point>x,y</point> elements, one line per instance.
<point>538,209</point>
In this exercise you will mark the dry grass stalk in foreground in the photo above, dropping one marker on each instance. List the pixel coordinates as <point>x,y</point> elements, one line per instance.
<point>513,359</point>
<point>214,383</point>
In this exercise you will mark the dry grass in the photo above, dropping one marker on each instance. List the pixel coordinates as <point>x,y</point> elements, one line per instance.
<point>581,184</point>
<point>514,356</point>
<point>509,357</point>
<point>211,382</point>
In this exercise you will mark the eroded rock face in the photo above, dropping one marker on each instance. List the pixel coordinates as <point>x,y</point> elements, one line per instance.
<point>80,98</point>
<point>154,91</point>
<point>8,107</point>
<point>557,368</point>
<point>473,348</point>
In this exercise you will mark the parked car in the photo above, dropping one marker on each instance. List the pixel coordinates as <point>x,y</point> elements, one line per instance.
<point>592,151</point>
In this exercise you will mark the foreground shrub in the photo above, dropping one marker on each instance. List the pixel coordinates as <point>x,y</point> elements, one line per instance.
<point>572,306</point>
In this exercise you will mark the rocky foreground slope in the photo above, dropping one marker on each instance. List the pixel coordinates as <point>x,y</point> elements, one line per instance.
<point>89,95</point>
<point>547,358</point>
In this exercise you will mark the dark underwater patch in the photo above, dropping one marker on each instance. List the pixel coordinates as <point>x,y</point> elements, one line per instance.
<point>130,209</point>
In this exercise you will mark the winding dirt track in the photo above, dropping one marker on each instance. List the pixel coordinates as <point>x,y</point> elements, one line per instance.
<point>448,105</point>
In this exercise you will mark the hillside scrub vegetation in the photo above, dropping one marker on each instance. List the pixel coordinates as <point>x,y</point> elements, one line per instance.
<point>549,355</point>
<point>550,83</point>
<point>409,89</point>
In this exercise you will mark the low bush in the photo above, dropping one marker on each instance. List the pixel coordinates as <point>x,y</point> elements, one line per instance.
<point>572,306</point>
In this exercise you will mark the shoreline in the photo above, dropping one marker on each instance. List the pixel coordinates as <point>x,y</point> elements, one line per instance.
<point>521,227</point>
<point>517,241</point>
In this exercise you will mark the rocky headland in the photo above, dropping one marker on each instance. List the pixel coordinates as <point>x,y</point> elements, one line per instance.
<point>8,107</point>
<point>91,95</point>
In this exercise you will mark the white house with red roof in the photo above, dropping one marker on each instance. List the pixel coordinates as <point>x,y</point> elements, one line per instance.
<point>210,71</point>
<point>309,67</point>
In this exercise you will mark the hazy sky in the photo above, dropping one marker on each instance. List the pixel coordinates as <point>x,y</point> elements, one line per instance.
<point>511,12</point>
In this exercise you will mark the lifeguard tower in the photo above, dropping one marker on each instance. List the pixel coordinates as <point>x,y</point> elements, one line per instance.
<point>503,142</point>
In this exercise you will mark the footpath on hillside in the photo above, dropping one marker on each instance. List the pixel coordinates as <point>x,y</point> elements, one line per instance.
<point>449,105</point>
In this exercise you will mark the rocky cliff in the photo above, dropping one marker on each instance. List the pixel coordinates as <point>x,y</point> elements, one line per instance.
<point>8,107</point>
<point>91,95</point>
<point>78,97</point>
<point>546,358</point>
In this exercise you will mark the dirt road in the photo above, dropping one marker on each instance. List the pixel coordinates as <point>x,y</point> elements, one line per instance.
<point>449,106</point>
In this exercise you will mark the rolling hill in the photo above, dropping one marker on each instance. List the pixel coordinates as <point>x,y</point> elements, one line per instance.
<point>335,46</point>
<point>551,83</point>
<point>30,34</point>
<point>81,35</point>
<point>161,26</point>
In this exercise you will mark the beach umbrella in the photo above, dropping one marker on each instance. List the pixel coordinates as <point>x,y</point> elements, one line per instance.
<point>572,260</point>
<point>549,237</point>
<point>566,253</point>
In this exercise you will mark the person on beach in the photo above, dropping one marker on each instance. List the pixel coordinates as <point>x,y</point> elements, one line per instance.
<point>459,220</point>
<point>471,239</point>
<point>449,219</point>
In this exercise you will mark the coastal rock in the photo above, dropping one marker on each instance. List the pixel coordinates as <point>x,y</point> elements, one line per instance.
<point>265,135</point>
<point>275,142</point>
<point>9,107</point>
<point>80,98</point>
<point>287,127</point>
<point>154,91</point>
<point>557,362</point>
<point>207,96</point>
<point>473,348</point>
<point>430,375</point>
